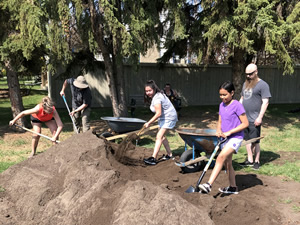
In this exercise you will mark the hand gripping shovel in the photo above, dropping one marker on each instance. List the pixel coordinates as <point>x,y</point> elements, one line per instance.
<point>44,136</point>
<point>191,189</point>
<point>75,128</point>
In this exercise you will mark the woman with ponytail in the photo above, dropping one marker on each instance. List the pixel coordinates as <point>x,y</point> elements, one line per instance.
<point>166,115</point>
<point>44,112</point>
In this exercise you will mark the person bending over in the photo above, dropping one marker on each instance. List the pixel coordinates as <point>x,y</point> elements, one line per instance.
<point>44,112</point>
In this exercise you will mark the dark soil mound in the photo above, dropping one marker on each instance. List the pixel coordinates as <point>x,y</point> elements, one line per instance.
<point>80,181</point>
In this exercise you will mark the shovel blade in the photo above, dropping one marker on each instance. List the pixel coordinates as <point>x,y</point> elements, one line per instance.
<point>191,189</point>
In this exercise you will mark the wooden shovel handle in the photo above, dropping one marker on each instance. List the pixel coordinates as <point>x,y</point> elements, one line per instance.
<point>251,140</point>
<point>140,131</point>
<point>44,136</point>
<point>125,135</point>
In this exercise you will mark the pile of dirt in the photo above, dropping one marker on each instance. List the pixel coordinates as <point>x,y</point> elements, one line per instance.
<point>80,181</point>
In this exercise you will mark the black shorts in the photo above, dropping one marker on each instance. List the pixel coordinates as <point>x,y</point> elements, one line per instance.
<point>252,132</point>
<point>35,120</point>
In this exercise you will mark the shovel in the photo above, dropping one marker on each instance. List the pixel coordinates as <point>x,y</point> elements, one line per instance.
<point>138,135</point>
<point>192,189</point>
<point>44,136</point>
<point>75,128</point>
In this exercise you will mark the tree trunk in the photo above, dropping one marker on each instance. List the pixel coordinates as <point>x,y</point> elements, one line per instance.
<point>114,75</point>
<point>118,65</point>
<point>44,79</point>
<point>238,71</point>
<point>112,83</point>
<point>122,95</point>
<point>15,94</point>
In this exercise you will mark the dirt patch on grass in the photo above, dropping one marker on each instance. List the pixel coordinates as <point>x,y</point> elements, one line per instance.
<point>286,157</point>
<point>79,181</point>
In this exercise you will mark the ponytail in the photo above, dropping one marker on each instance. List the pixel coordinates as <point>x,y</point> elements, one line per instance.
<point>47,103</point>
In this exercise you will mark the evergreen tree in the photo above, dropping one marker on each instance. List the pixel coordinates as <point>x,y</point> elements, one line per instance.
<point>239,31</point>
<point>68,30</point>
<point>21,36</point>
<point>119,31</point>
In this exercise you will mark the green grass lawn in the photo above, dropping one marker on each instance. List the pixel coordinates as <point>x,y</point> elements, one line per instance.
<point>280,147</point>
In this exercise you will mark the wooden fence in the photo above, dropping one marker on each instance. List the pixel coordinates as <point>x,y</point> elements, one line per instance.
<point>195,85</point>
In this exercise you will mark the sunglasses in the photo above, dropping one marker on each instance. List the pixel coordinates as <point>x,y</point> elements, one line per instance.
<point>250,74</point>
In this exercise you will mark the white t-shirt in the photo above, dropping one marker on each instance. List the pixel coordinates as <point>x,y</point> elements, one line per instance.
<point>168,111</point>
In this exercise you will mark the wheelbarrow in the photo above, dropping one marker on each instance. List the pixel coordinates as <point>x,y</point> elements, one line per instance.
<point>201,141</point>
<point>124,126</point>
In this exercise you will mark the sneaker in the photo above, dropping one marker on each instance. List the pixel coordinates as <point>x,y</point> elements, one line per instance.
<point>206,188</point>
<point>246,163</point>
<point>167,157</point>
<point>229,190</point>
<point>150,161</point>
<point>256,166</point>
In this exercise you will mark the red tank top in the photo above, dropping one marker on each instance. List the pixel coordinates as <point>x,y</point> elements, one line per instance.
<point>42,115</point>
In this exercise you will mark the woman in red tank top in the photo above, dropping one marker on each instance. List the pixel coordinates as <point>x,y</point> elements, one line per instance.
<point>42,115</point>
<point>44,112</point>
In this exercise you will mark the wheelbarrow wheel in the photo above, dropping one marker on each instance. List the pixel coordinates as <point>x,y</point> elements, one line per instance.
<point>106,135</point>
<point>187,156</point>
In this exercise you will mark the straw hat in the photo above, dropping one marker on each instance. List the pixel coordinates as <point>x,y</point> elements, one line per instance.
<point>80,82</point>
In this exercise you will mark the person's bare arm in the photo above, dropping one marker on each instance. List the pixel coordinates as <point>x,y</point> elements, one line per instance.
<point>219,131</point>
<point>83,106</point>
<point>264,106</point>
<point>156,115</point>
<point>59,125</point>
<point>62,92</point>
<point>24,113</point>
<point>241,100</point>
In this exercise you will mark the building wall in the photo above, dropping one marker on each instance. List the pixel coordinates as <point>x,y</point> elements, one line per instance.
<point>151,56</point>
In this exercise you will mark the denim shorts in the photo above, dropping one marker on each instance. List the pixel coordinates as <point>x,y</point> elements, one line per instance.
<point>167,124</point>
<point>234,143</point>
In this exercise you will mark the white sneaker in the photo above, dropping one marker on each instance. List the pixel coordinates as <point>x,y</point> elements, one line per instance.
<point>167,157</point>
<point>206,188</point>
